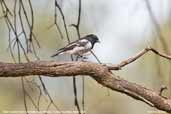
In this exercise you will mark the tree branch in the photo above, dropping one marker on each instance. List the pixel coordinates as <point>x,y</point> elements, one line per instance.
<point>137,56</point>
<point>99,72</point>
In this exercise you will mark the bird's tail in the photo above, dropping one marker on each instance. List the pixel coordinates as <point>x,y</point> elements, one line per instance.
<point>56,54</point>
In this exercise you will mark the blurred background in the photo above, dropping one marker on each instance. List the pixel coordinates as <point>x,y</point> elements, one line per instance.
<point>123,27</point>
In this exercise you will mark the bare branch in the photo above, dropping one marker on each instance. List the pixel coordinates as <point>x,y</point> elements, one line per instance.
<point>138,55</point>
<point>98,72</point>
<point>63,18</point>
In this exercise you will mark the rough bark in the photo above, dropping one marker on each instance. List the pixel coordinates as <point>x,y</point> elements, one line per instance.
<point>99,72</point>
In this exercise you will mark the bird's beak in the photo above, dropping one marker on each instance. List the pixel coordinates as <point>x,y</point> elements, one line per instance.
<point>98,41</point>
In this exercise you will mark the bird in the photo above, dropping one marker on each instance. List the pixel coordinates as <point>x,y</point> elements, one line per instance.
<point>80,47</point>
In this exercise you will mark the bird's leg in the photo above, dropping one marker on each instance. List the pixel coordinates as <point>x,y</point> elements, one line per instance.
<point>81,57</point>
<point>77,57</point>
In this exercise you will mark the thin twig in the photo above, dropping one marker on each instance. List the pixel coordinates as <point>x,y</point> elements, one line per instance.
<point>63,18</point>
<point>138,55</point>
<point>68,39</point>
<point>159,34</point>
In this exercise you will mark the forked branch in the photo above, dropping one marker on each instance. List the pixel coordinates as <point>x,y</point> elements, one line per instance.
<point>99,72</point>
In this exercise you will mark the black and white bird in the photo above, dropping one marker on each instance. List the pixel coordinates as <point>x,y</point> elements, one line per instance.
<point>79,47</point>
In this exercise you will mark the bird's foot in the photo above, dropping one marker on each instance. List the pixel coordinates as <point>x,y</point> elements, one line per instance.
<point>85,58</point>
<point>82,58</point>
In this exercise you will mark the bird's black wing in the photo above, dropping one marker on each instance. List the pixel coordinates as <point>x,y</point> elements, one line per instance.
<point>78,43</point>
<point>68,47</point>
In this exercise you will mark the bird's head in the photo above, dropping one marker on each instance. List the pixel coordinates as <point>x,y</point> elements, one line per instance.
<point>92,38</point>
